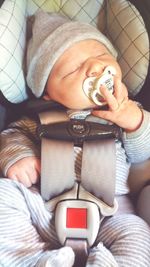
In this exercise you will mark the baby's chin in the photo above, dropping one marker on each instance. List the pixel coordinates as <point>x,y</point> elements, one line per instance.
<point>81,104</point>
<point>81,107</point>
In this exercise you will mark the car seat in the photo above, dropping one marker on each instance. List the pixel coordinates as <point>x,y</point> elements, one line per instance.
<point>126,23</point>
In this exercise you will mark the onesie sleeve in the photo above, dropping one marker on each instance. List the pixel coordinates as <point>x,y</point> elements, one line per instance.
<point>18,141</point>
<point>137,144</point>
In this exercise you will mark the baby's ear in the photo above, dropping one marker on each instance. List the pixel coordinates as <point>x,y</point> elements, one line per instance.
<point>46,97</point>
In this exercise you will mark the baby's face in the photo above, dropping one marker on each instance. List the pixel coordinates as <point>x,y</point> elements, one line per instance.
<point>83,59</point>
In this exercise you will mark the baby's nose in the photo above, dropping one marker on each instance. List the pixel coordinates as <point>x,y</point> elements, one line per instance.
<point>94,67</point>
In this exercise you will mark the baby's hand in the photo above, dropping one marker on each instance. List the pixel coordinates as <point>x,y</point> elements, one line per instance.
<point>26,170</point>
<point>122,111</point>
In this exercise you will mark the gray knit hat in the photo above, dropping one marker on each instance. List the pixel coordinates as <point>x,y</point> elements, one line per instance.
<point>52,34</point>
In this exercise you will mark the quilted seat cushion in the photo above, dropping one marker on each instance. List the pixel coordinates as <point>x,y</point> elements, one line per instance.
<point>119,19</point>
<point>13,18</point>
<point>12,49</point>
<point>81,10</point>
<point>127,31</point>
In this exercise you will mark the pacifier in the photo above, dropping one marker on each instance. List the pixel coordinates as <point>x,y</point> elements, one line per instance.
<point>92,85</point>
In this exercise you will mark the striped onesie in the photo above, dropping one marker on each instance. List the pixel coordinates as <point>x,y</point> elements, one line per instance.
<point>27,233</point>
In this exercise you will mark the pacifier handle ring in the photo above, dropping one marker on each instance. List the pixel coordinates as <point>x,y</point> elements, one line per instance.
<point>95,99</point>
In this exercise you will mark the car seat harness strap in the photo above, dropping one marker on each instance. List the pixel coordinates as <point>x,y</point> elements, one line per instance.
<point>79,205</point>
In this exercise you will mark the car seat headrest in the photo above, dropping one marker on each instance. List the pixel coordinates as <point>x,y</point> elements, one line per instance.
<point>126,29</point>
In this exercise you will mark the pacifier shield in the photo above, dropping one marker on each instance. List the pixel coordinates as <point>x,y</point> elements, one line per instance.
<point>92,85</point>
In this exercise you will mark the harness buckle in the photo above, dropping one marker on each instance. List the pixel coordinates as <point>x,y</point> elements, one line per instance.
<point>77,219</point>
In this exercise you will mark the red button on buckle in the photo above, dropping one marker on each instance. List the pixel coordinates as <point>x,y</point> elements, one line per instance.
<point>76,218</point>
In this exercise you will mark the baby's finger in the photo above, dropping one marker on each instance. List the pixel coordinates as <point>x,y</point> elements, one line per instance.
<point>38,166</point>
<point>12,176</point>
<point>25,179</point>
<point>33,176</point>
<point>109,98</point>
<point>106,115</point>
<point>120,91</point>
<point>22,178</point>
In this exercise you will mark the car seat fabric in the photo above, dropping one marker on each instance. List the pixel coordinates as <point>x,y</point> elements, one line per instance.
<point>126,29</point>
<point>14,88</point>
<point>144,9</point>
<point>12,48</point>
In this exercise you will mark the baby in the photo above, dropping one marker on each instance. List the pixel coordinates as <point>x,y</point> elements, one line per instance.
<point>61,56</point>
